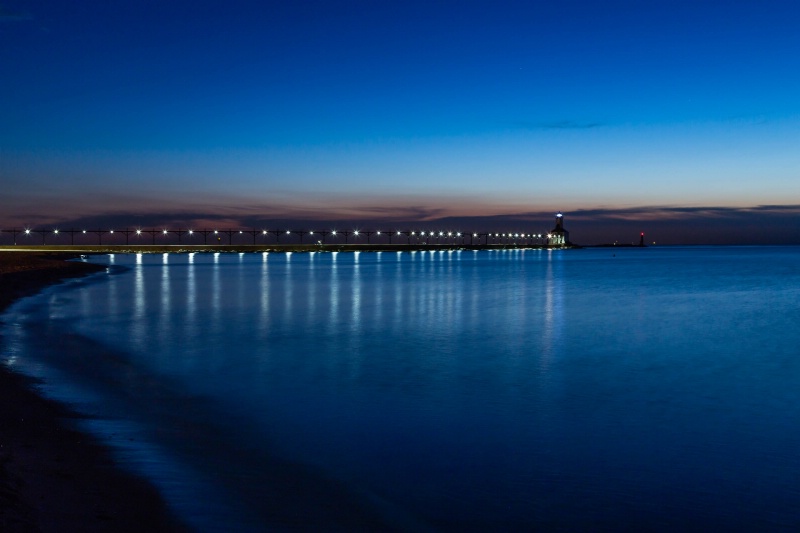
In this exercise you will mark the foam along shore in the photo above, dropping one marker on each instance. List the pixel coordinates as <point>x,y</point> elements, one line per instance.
<point>53,477</point>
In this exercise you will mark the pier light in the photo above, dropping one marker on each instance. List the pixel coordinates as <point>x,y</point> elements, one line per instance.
<point>191,232</point>
<point>84,231</point>
<point>355,232</point>
<point>458,234</point>
<point>412,233</point>
<point>165,232</point>
<point>288,232</point>
<point>333,232</point>
<point>311,233</point>
<point>379,233</point>
<point>264,232</point>
<point>112,231</point>
<point>215,232</point>
<point>27,232</point>
<point>138,232</point>
<point>56,232</point>
<point>441,233</point>
<point>474,234</point>
<point>449,233</point>
<point>240,231</point>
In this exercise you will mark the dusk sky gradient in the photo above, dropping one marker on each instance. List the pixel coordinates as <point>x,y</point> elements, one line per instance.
<point>681,119</point>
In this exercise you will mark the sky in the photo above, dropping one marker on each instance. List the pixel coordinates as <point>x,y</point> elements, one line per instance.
<point>679,119</point>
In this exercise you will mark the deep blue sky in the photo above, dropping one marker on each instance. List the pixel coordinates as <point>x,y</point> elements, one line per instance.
<point>238,112</point>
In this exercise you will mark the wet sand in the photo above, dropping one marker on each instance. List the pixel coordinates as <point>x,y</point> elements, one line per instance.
<point>52,477</point>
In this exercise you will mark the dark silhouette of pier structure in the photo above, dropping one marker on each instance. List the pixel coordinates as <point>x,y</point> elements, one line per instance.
<point>32,236</point>
<point>165,236</point>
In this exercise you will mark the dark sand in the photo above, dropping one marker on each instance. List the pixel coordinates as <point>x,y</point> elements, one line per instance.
<point>53,478</point>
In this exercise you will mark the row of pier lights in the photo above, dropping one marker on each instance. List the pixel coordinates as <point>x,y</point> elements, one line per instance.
<point>192,236</point>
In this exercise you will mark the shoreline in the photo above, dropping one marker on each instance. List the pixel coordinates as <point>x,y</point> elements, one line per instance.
<point>53,477</point>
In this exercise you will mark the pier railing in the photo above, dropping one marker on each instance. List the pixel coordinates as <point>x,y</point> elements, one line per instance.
<point>31,236</point>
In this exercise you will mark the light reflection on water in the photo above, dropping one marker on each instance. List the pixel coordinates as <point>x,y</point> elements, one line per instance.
<point>190,324</point>
<point>463,389</point>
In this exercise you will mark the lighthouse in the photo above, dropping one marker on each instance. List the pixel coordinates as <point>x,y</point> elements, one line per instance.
<point>559,236</point>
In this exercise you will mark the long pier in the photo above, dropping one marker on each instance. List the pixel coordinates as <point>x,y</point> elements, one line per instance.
<point>251,248</point>
<point>262,240</point>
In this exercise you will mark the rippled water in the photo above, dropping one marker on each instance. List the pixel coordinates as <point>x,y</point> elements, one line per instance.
<point>510,390</point>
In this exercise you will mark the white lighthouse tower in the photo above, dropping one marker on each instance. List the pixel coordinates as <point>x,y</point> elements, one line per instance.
<point>559,236</point>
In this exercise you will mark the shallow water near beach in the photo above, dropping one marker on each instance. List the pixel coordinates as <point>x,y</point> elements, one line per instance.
<point>496,390</point>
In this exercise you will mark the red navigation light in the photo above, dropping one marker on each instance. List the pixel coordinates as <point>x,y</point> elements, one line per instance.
<point>642,234</point>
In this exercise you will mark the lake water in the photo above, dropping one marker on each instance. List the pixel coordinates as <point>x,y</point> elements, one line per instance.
<point>604,389</point>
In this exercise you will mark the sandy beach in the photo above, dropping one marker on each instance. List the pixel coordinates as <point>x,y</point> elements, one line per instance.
<point>52,477</point>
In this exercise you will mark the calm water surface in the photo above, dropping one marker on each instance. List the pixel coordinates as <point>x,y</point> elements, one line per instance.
<point>510,390</point>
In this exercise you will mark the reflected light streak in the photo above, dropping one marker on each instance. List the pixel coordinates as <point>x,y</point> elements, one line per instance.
<point>311,289</point>
<point>165,320</point>
<point>191,298</point>
<point>334,305</point>
<point>139,305</point>
<point>216,293</point>
<point>288,288</point>
<point>399,285</point>
<point>553,317</point>
<point>113,296</point>
<point>263,322</point>
<point>355,353</point>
